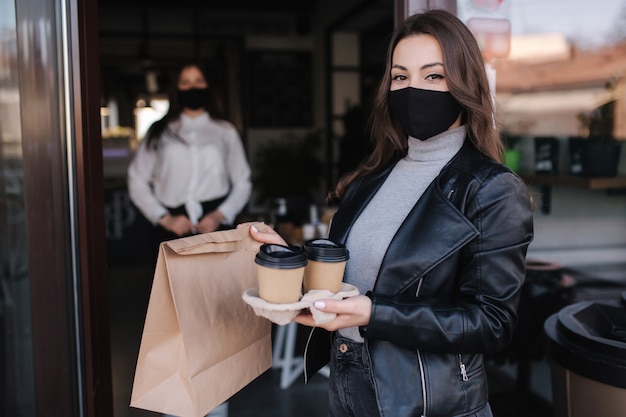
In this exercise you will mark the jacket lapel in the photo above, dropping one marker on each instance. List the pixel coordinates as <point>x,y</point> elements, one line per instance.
<point>432,230</point>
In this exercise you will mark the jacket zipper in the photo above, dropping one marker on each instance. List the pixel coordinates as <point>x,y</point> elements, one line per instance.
<point>464,376</point>
<point>423,377</point>
<point>421,364</point>
<point>419,287</point>
<point>463,370</point>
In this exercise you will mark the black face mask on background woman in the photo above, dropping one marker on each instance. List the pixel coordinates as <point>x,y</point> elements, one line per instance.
<point>423,113</point>
<point>194,98</point>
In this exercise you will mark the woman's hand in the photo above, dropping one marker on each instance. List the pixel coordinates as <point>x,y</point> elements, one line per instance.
<point>179,225</point>
<point>263,233</point>
<point>352,311</point>
<point>210,222</point>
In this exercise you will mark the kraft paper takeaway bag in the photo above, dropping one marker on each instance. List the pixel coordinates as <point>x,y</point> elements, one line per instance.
<point>201,343</point>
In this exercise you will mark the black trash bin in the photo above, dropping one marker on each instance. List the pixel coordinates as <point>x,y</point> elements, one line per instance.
<point>587,345</point>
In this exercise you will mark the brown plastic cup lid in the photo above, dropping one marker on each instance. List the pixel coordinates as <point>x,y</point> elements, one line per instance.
<point>280,256</point>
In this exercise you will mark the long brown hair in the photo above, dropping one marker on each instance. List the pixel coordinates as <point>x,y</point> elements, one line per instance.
<point>466,78</point>
<point>213,106</point>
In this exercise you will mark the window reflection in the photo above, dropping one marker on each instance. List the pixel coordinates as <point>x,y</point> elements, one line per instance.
<point>566,63</point>
<point>16,358</point>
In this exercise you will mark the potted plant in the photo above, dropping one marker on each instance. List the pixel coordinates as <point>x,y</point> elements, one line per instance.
<point>599,152</point>
<point>512,138</point>
<point>512,153</point>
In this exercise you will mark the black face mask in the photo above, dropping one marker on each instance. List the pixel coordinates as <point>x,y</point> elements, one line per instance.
<point>194,98</point>
<point>423,113</point>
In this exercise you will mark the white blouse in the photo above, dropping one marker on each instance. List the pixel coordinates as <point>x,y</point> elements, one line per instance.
<point>208,163</point>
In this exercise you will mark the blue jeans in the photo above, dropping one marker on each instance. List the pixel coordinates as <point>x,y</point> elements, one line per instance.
<point>351,386</point>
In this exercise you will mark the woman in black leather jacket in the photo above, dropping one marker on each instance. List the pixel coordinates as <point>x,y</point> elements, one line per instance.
<point>437,230</point>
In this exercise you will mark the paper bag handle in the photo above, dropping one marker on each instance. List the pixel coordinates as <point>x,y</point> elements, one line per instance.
<point>214,242</point>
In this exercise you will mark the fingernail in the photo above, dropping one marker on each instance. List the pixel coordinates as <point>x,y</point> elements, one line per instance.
<point>254,229</point>
<point>319,304</point>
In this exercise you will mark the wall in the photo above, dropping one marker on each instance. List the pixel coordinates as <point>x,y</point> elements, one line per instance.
<point>345,47</point>
<point>257,136</point>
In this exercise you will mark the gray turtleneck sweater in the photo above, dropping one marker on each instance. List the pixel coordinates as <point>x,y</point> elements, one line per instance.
<point>373,230</point>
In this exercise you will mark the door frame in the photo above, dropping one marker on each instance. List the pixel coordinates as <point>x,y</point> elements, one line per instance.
<point>58,66</point>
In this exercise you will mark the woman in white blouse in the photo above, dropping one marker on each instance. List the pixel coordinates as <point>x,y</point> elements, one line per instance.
<point>190,173</point>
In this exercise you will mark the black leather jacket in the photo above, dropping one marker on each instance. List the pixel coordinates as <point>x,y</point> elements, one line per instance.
<point>447,290</point>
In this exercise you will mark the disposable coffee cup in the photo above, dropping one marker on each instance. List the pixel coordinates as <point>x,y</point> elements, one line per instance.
<point>280,272</point>
<point>327,263</point>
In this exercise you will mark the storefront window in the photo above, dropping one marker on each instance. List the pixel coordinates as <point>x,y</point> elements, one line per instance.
<point>16,352</point>
<point>563,66</point>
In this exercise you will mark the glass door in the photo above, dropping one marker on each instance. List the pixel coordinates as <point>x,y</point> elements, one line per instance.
<point>54,343</point>
<point>16,344</point>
